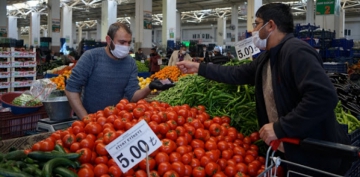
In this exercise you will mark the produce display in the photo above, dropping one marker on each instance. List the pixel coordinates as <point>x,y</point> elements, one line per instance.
<point>60,79</point>
<point>56,69</point>
<point>26,100</point>
<point>193,144</point>
<point>346,118</point>
<point>237,102</point>
<point>141,67</point>
<point>143,82</point>
<point>168,72</point>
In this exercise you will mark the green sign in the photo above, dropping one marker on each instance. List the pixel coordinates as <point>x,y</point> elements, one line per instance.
<point>325,7</point>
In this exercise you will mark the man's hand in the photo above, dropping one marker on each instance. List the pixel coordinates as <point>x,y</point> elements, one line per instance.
<point>158,85</point>
<point>267,133</point>
<point>188,67</point>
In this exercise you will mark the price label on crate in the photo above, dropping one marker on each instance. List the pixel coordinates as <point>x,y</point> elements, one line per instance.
<point>130,148</point>
<point>246,48</point>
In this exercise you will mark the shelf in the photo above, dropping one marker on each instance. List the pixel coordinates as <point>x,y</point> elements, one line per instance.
<point>23,64</point>
<point>23,73</point>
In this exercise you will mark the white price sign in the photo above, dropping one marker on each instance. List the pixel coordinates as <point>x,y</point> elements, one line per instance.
<point>246,48</point>
<point>130,148</point>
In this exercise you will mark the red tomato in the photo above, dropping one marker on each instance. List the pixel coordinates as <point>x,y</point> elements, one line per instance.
<point>180,130</point>
<point>195,163</point>
<point>86,155</point>
<point>101,159</point>
<point>138,112</point>
<point>188,170</point>
<point>100,149</point>
<point>249,158</point>
<point>239,151</point>
<point>196,143</point>
<point>154,126</point>
<point>225,119</point>
<point>68,140</point>
<point>226,154</point>
<point>87,143</point>
<point>238,158</point>
<point>172,135</point>
<point>154,173</point>
<point>197,124</point>
<point>163,128</point>
<point>178,167</point>
<point>242,167</point>
<point>161,157</point>
<point>230,170</point>
<point>75,146</point>
<point>87,165</point>
<point>247,140</point>
<point>208,123</point>
<point>199,152</point>
<point>231,162</point>
<point>171,173</point>
<point>111,162</point>
<point>109,137</point>
<point>93,128</point>
<point>151,162</point>
<point>211,168</point>
<point>174,157</point>
<point>214,155</point>
<point>115,171</point>
<point>222,164</point>
<point>100,169</point>
<point>210,145</point>
<point>163,168</point>
<point>171,115</point>
<point>180,120</point>
<point>198,172</point>
<point>252,152</point>
<point>183,112</point>
<point>101,120</point>
<point>85,172</point>
<point>182,150</point>
<point>186,158</point>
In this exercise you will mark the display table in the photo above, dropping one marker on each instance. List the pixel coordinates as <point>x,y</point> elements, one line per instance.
<point>22,142</point>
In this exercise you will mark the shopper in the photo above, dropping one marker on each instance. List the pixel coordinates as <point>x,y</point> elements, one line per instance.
<point>154,64</point>
<point>294,96</point>
<point>204,55</point>
<point>139,55</point>
<point>179,55</point>
<point>218,58</point>
<point>229,55</point>
<point>103,76</point>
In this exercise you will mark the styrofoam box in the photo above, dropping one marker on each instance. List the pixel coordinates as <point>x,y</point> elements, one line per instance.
<point>4,54</point>
<point>21,84</point>
<point>5,74</point>
<point>5,84</point>
<point>5,64</point>
<point>19,54</point>
<point>23,73</point>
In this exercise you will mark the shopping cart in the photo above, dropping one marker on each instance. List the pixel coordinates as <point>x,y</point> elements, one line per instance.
<point>351,153</point>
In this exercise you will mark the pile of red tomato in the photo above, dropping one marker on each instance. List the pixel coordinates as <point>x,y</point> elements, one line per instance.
<point>193,144</point>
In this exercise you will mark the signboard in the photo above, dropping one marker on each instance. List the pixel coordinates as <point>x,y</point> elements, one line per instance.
<point>325,7</point>
<point>131,147</point>
<point>246,48</point>
<point>3,31</point>
<point>147,20</point>
<point>55,25</point>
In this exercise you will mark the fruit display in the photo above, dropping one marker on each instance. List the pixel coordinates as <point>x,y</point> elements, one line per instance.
<point>143,82</point>
<point>193,144</point>
<point>60,79</point>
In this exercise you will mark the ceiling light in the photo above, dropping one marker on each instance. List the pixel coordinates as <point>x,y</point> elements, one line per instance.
<point>10,8</point>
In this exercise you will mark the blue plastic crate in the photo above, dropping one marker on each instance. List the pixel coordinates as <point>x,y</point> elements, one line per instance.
<point>310,41</point>
<point>335,67</point>
<point>305,34</point>
<point>144,74</point>
<point>355,52</point>
<point>348,60</point>
<point>333,53</point>
<point>344,43</point>
<point>299,27</point>
<point>323,34</point>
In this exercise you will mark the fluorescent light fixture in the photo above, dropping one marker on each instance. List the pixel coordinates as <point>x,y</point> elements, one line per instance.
<point>10,8</point>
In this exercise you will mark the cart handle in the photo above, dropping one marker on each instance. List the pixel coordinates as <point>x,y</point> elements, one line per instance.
<point>320,146</point>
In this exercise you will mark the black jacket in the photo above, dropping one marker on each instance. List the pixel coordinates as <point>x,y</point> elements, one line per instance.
<point>206,57</point>
<point>304,96</point>
<point>219,59</point>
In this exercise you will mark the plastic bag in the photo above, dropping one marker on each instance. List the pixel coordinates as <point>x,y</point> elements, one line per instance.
<point>42,88</point>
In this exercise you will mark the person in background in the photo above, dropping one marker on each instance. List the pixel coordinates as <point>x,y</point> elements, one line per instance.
<point>139,55</point>
<point>65,59</point>
<point>229,55</point>
<point>154,57</point>
<point>218,58</point>
<point>179,55</point>
<point>294,96</point>
<point>105,75</point>
<point>204,55</point>
<point>73,57</point>
<point>49,56</point>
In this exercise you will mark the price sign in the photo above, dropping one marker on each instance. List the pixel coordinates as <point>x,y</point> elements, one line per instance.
<point>130,148</point>
<point>246,48</point>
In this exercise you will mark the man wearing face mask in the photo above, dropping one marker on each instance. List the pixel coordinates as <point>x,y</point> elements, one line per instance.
<point>294,96</point>
<point>104,76</point>
<point>179,55</point>
<point>204,55</point>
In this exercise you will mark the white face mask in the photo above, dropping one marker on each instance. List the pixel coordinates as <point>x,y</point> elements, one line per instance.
<point>120,51</point>
<point>183,52</point>
<point>259,43</point>
<point>204,49</point>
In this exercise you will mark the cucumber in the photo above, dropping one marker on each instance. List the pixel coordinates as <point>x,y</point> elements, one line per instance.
<point>29,160</point>
<point>20,164</point>
<point>15,155</point>
<point>10,173</point>
<point>59,148</point>
<point>51,164</point>
<point>45,156</point>
<point>1,157</point>
<point>62,171</point>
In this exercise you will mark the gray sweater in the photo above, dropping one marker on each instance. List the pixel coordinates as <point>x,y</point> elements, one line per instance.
<point>103,80</point>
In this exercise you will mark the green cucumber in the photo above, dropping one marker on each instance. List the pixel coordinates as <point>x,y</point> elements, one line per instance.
<point>45,156</point>
<point>10,173</point>
<point>51,164</point>
<point>15,155</point>
<point>62,171</point>
<point>59,148</point>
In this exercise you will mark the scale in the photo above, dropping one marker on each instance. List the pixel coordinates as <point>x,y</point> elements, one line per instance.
<point>47,125</point>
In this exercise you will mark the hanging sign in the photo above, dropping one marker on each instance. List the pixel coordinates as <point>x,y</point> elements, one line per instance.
<point>147,20</point>
<point>131,147</point>
<point>325,7</point>
<point>55,25</point>
<point>246,48</point>
<point>3,31</point>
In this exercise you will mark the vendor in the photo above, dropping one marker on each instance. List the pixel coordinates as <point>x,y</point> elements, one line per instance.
<point>103,76</point>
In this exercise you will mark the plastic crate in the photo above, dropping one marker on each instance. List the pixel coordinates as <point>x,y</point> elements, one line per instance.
<point>13,126</point>
<point>299,27</point>
<point>323,43</point>
<point>144,74</point>
<point>348,60</point>
<point>310,41</point>
<point>305,34</point>
<point>344,43</point>
<point>323,34</point>
<point>354,170</point>
<point>333,53</point>
<point>355,52</point>
<point>334,67</point>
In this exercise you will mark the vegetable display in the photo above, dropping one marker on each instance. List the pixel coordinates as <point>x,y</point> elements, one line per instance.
<point>141,67</point>
<point>171,72</point>
<point>346,118</point>
<point>237,102</point>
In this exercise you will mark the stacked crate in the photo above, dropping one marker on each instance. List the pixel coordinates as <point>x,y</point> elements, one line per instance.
<point>23,69</point>
<point>5,70</point>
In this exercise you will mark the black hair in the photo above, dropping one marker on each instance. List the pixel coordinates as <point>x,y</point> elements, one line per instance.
<point>115,27</point>
<point>280,14</point>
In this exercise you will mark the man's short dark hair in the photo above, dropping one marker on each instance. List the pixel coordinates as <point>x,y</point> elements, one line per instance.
<point>279,13</point>
<point>115,27</point>
<point>139,49</point>
<point>154,49</point>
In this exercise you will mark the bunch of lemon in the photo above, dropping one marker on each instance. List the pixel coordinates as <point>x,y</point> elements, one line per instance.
<point>143,82</point>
